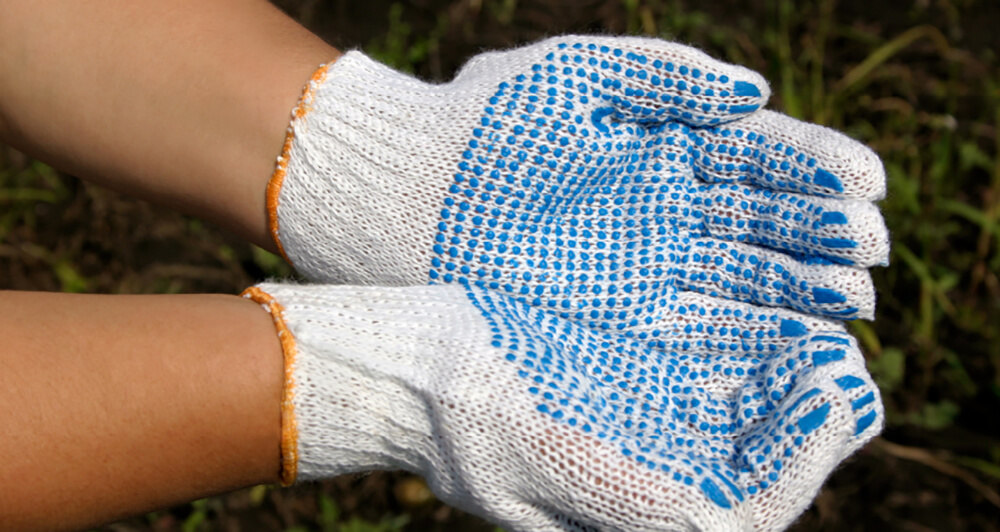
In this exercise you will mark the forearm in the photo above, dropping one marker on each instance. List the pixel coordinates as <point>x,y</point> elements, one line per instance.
<point>115,405</point>
<point>184,103</point>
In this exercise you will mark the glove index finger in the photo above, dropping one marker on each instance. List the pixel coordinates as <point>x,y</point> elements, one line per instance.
<point>633,79</point>
<point>654,80</point>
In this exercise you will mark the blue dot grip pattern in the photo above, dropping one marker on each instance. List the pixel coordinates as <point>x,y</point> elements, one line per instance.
<point>595,201</point>
<point>723,416</point>
<point>583,195</point>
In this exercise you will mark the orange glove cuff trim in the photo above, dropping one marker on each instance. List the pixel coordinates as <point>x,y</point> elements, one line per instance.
<point>289,427</point>
<point>301,109</point>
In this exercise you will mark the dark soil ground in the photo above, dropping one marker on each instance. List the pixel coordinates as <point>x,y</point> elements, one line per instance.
<point>930,106</point>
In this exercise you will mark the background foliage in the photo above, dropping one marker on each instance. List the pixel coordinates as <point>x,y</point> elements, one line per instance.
<point>917,80</point>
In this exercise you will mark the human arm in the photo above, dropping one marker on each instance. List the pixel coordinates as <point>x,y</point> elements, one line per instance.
<point>118,405</point>
<point>187,103</point>
<point>528,420</point>
<point>183,103</point>
<point>768,210</point>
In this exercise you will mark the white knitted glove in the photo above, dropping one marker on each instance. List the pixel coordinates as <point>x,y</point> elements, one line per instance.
<point>550,173</point>
<point>539,423</point>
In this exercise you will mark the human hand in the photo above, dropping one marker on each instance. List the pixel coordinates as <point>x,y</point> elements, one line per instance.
<point>538,423</point>
<point>595,177</point>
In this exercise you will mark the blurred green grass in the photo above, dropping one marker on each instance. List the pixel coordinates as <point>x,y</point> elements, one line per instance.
<point>917,81</point>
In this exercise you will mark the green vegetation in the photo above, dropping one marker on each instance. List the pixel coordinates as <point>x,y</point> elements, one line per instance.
<point>917,81</point>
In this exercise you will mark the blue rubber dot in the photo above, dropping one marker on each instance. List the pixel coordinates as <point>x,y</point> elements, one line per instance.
<point>826,295</point>
<point>828,180</point>
<point>864,422</point>
<point>744,88</point>
<point>793,328</point>
<point>714,494</point>
<point>813,420</point>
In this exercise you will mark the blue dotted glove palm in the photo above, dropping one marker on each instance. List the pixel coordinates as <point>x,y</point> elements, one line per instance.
<point>594,177</point>
<point>539,423</point>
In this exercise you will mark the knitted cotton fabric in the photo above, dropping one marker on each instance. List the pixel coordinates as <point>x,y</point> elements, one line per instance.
<point>538,423</point>
<point>590,176</point>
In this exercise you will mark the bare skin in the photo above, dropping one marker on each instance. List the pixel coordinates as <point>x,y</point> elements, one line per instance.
<point>116,405</point>
<point>182,103</point>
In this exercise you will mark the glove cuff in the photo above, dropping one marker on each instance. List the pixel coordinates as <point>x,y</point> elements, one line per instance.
<point>289,427</point>
<point>363,169</point>
<point>302,108</point>
<point>359,373</point>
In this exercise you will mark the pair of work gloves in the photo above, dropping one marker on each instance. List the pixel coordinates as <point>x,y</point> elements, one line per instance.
<point>587,285</point>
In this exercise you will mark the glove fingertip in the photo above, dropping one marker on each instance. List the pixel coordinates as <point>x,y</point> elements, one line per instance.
<point>747,96</point>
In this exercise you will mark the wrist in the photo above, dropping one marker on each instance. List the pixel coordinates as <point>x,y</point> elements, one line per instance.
<point>362,142</point>
<point>355,392</point>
